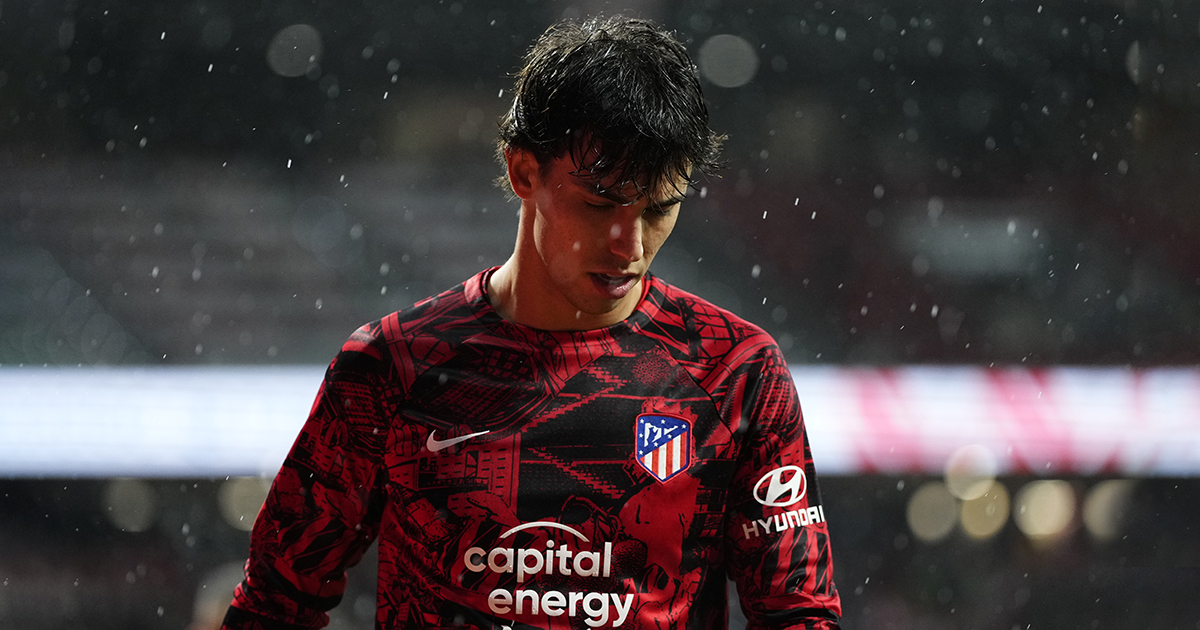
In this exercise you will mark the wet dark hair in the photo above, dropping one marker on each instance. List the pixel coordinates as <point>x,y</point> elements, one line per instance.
<point>621,96</point>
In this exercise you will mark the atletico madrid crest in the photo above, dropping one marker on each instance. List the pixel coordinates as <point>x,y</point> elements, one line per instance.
<point>663,445</point>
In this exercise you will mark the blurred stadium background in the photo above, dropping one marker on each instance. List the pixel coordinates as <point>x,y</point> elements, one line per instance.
<point>974,228</point>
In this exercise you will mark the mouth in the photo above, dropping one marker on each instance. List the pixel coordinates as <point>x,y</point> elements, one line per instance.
<point>614,287</point>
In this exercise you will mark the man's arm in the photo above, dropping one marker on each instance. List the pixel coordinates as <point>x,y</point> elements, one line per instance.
<point>777,540</point>
<point>324,507</point>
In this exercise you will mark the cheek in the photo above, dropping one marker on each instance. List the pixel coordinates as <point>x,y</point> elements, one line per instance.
<point>657,234</point>
<point>554,242</point>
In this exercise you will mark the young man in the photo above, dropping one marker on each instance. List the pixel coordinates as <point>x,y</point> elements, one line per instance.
<point>564,441</point>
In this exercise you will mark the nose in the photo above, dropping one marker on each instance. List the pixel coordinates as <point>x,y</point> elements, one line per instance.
<point>625,237</point>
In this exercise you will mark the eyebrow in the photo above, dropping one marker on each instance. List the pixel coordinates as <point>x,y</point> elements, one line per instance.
<point>620,199</point>
<point>667,202</point>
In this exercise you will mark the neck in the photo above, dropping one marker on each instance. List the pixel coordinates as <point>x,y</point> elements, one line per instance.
<point>514,294</point>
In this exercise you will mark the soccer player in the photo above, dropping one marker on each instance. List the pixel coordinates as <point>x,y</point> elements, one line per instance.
<point>564,441</point>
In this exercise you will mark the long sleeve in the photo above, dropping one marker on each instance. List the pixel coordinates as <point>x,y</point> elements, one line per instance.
<point>324,507</point>
<point>777,540</point>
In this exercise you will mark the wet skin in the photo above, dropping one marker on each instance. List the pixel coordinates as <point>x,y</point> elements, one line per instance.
<point>581,252</point>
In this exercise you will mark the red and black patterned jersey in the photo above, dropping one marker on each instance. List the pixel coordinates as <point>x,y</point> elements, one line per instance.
<point>516,478</point>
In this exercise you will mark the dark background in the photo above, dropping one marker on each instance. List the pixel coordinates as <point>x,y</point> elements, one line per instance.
<point>989,183</point>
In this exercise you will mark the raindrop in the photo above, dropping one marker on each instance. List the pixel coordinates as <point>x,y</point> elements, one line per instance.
<point>935,207</point>
<point>66,34</point>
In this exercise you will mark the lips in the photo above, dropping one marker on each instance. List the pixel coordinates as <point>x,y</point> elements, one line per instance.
<point>613,287</point>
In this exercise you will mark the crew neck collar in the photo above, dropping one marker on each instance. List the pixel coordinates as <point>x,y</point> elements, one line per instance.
<point>477,296</point>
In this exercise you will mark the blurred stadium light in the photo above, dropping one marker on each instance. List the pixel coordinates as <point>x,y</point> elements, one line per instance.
<point>217,421</point>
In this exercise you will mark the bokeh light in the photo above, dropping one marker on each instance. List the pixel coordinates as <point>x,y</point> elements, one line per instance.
<point>985,515</point>
<point>1044,509</point>
<point>728,61</point>
<point>970,471</point>
<point>294,50</point>
<point>214,593</point>
<point>131,505</point>
<point>932,512</point>
<point>240,499</point>
<point>1105,508</point>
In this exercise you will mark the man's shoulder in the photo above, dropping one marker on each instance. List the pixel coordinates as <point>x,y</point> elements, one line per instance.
<point>681,317</point>
<point>442,317</point>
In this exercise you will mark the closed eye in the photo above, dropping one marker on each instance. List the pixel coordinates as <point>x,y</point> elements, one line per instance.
<point>664,208</point>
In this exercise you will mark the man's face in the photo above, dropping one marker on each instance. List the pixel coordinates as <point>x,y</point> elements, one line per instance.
<point>595,247</point>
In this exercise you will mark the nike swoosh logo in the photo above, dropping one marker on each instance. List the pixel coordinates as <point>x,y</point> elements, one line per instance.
<point>434,445</point>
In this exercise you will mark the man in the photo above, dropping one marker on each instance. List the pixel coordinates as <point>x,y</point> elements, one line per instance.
<point>564,441</point>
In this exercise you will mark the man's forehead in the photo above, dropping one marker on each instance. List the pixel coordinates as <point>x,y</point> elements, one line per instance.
<point>587,153</point>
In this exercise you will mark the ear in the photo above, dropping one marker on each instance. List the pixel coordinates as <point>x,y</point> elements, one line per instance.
<point>524,172</point>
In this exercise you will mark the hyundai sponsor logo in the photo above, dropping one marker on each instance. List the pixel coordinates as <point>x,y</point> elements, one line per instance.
<point>781,487</point>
